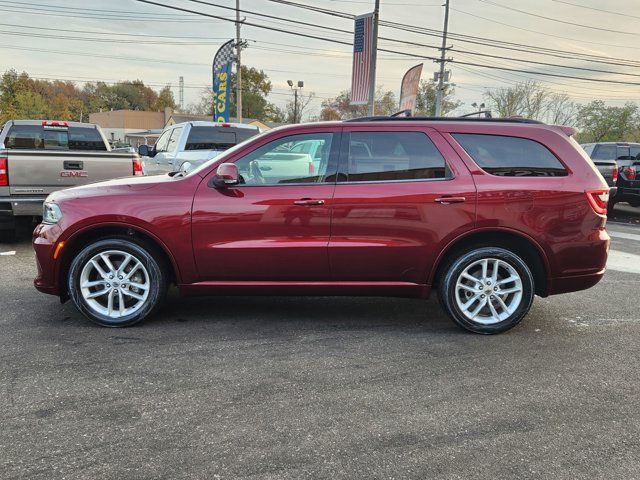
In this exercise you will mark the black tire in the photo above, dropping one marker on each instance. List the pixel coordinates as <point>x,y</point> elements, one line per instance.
<point>447,289</point>
<point>157,279</point>
<point>610,206</point>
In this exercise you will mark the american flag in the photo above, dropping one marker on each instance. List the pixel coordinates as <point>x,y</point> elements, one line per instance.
<point>362,50</point>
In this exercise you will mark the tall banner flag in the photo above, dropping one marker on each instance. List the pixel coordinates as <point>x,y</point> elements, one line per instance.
<point>222,63</point>
<point>409,88</point>
<point>362,51</point>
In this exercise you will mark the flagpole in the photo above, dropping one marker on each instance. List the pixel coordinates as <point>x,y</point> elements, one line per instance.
<point>374,54</point>
<point>239,64</point>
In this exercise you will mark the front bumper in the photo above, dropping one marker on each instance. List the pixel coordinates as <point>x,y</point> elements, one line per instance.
<point>44,243</point>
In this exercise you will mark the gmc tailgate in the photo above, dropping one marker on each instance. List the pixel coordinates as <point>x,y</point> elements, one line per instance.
<point>37,172</point>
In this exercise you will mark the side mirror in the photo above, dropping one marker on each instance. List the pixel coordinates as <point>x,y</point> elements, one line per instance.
<point>143,150</point>
<point>226,176</point>
<point>185,167</point>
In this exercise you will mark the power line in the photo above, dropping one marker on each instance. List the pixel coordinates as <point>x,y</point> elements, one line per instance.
<point>620,82</point>
<point>344,15</point>
<point>625,14</point>
<point>465,38</point>
<point>542,33</point>
<point>565,22</point>
<point>110,11</point>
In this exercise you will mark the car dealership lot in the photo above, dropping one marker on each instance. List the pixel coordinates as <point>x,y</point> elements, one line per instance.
<point>260,387</point>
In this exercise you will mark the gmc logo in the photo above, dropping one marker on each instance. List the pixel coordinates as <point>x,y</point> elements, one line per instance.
<point>74,173</point>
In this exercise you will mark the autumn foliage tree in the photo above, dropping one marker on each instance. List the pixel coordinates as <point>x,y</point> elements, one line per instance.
<point>23,97</point>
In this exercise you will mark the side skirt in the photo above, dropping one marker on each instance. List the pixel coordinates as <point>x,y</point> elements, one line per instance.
<point>370,289</point>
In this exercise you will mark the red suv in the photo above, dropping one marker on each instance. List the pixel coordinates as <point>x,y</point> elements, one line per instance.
<point>488,212</point>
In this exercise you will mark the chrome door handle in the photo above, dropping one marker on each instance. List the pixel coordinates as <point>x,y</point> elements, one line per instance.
<point>308,201</point>
<point>449,200</point>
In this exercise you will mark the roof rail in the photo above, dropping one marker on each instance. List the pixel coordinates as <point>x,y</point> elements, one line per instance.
<point>442,119</point>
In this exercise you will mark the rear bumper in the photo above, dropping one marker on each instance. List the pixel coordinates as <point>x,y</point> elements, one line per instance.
<point>574,283</point>
<point>21,207</point>
<point>588,265</point>
<point>625,193</point>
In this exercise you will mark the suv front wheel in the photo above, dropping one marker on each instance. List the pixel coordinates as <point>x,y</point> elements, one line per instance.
<point>116,282</point>
<point>487,290</point>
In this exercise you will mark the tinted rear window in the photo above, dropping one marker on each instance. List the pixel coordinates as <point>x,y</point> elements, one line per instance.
<point>24,136</point>
<point>52,138</point>
<point>82,138</point>
<point>55,139</point>
<point>605,152</point>
<point>510,156</point>
<point>216,138</point>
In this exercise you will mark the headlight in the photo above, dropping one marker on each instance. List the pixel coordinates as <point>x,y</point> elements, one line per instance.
<point>51,213</point>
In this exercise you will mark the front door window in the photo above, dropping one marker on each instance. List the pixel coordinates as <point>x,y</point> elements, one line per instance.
<point>288,160</point>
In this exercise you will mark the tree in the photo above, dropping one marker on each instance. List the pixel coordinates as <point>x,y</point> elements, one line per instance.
<point>295,114</point>
<point>601,123</point>
<point>340,108</point>
<point>25,97</point>
<point>30,105</point>
<point>165,99</point>
<point>426,100</point>
<point>532,100</point>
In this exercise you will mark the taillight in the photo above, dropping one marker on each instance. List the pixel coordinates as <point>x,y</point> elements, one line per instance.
<point>598,199</point>
<point>630,173</point>
<point>614,175</point>
<point>4,172</point>
<point>137,167</point>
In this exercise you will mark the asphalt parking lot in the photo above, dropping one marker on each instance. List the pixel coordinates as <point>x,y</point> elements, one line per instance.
<point>328,388</point>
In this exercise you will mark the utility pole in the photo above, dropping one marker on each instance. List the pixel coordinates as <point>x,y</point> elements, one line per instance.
<point>239,63</point>
<point>443,56</point>
<point>181,93</point>
<point>374,56</point>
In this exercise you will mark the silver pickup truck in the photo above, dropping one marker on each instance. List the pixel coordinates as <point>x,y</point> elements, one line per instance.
<point>39,157</point>
<point>184,146</point>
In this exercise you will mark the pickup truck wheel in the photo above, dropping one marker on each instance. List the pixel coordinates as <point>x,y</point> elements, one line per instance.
<point>116,282</point>
<point>487,290</point>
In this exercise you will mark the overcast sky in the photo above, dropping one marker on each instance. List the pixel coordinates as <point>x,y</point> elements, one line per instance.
<point>32,41</point>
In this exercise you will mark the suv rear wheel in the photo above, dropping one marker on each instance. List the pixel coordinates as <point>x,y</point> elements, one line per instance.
<point>487,290</point>
<point>116,282</point>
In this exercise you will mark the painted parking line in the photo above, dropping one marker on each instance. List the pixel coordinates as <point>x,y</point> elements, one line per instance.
<point>623,262</point>
<point>628,236</point>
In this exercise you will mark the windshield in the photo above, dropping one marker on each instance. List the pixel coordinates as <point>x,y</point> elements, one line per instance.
<point>224,155</point>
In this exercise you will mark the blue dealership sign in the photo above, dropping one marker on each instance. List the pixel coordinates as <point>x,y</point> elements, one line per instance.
<point>222,64</point>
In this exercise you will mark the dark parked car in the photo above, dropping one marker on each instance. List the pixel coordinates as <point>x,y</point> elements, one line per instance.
<point>626,157</point>
<point>488,212</point>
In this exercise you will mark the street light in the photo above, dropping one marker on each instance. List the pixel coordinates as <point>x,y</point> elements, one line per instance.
<point>299,86</point>
<point>480,107</point>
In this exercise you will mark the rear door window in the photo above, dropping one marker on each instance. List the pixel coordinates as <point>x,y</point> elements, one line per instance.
<point>510,156</point>
<point>393,156</point>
